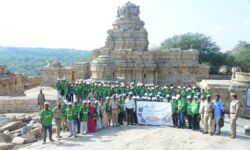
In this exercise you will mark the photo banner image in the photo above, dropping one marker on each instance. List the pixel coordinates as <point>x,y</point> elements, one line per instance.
<point>154,113</point>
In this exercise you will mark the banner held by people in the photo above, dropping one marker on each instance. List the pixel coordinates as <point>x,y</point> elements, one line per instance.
<point>154,113</point>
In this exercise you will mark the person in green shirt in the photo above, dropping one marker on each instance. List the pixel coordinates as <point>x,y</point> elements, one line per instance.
<point>46,116</point>
<point>58,88</point>
<point>84,118</point>
<point>70,114</point>
<point>182,106</point>
<point>189,111</point>
<point>121,107</point>
<point>195,112</point>
<point>173,103</point>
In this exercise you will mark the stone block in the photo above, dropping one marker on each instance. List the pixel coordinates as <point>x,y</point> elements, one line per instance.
<point>6,146</point>
<point>18,140</point>
<point>12,126</point>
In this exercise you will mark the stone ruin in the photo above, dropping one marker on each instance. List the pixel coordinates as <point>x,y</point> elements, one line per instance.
<point>55,69</point>
<point>126,57</point>
<point>11,84</point>
<point>238,84</point>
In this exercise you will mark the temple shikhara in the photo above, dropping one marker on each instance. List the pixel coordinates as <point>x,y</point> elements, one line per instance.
<point>125,57</point>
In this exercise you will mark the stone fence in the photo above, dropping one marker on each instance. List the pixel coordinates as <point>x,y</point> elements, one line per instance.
<point>242,77</point>
<point>20,105</point>
<point>32,81</point>
<point>220,76</point>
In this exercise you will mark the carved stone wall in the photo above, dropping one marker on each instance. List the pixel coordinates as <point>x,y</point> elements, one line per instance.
<point>54,70</point>
<point>11,84</point>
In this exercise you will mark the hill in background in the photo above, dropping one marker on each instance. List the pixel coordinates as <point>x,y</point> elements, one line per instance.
<point>30,60</point>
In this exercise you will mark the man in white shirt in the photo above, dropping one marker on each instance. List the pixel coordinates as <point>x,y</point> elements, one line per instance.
<point>130,108</point>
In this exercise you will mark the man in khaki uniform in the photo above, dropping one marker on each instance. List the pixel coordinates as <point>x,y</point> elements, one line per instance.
<point>234,113</point>
<point>208,114</point>
<point>114,110</point>
<point>58,114</point>
<point>41,99</point>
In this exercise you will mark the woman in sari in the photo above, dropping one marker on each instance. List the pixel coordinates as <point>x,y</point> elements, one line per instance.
<point>91,118</point>
<point>98,115</point>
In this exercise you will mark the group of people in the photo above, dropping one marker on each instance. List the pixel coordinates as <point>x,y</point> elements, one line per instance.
<point>85,107</point>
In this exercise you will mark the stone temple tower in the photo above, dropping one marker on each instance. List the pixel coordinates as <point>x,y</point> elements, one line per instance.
<point>125,56</point>
<point>128,31</point>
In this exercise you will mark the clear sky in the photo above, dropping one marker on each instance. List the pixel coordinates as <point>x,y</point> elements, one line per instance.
<point>83,24</point>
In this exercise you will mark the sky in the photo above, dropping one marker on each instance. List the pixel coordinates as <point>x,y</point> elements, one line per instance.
<point>83,24</point>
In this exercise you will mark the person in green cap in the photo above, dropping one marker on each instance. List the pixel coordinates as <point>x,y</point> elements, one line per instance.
<point>195,113</point>
<point>46,116</point>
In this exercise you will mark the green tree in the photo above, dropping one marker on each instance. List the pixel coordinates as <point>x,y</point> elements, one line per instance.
<point>241,54</point>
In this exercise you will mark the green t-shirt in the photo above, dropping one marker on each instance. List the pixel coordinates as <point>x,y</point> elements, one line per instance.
<point>182,103</point>
<point>107,106</point>
<point>195,107</point>
<point>173,105</point>
<point>46,116</point>
<point>189,108</point>
<point>121,105</point>
<point>85,112</point>
<point>70,113</point>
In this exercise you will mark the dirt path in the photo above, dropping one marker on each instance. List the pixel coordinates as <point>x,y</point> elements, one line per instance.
<point>149,137</point>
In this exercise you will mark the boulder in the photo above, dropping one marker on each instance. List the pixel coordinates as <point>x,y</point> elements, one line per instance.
<point>12,126</point>
<point>18,140</point>
<point>6,146</point>
<point>23,118</point>
<point>4,120</point>
<point>37,132</point>
<point>29,138</point>
<point>5,137</point>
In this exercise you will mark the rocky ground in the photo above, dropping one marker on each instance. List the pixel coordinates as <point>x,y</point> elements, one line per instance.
<point>147,137</point>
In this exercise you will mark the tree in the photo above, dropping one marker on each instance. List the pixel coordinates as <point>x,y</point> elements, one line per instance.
<point>241,54</point>
<point>209,51</point>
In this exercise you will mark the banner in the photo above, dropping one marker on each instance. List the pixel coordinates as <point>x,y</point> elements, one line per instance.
<point>154,113</point>
<point>248,98</point>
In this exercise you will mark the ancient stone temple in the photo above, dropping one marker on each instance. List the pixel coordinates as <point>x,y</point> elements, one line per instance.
<point>126,57</point>
<point>11,84</point>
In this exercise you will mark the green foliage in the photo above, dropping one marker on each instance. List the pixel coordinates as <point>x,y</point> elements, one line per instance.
<point>208,50</point>
<point>30,60</point>
<point>241,54</point>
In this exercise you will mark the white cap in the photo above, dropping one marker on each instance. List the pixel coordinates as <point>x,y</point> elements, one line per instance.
<point>65,101</point>
<point>173,97</point>
<point>178,96</point>
<point>130,93</point>
<point>69,103</point>
<point>167,95</point>
<point>46,103</point>
<point>188,97</point>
